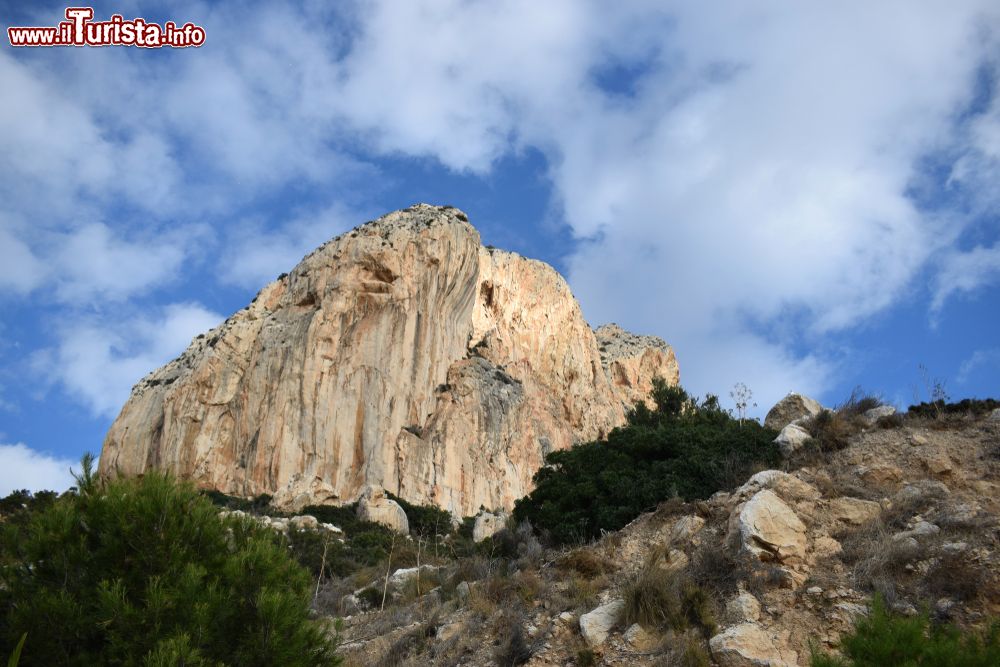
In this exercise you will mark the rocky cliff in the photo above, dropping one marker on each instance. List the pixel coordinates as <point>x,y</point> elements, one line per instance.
<point>402,354</point>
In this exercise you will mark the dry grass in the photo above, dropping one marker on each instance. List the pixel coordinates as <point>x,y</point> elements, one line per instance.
<point>716,569</point>
<point>688,651</point>
<point>585,562</point>
<point>513,646</point>
<point>505,592</point>
<point>955,576</point>
<point>660,599</point>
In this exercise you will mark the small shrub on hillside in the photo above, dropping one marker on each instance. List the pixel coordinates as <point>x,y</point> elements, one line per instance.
<point>831,431</point>
<point>883,638</point>
<point>661,599</point>
<point>514,649</point>
<point>892,421</point>
<point>585,562</point>
<point>859,402</point>
<point>956,576</point>
<point>968,407</point>
<point>257,505</point>
<point>144,571</point>
<point>689,651</point>
<point>681,448</point>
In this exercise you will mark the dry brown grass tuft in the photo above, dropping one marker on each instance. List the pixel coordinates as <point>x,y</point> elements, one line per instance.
<point>585,562</point>
<point>660,599</point>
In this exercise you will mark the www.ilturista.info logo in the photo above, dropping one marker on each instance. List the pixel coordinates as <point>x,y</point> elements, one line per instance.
<point>80,30</point>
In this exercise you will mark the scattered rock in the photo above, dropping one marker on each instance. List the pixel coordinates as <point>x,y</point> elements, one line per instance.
<point>304,522</point>
<point>748,645</point>
<point>788,487</point>
<point>853,511</point>
<point>686,528</point>
<point>791,438</point>
<point>791,407</point>
<point>853,610</point>
<point>873,415</point>
<point>401,577</point>
<point>595,625</point>
<point>462,591</point>
<point>769,529</point>
<point>923,489</point>
<point>638,638</point>
<point>351,604</point>
<point>375,506</point>
<point>880,475</point>
<point>920,529</point>
<point>954,548</point>
<point>994,416</point>
<point>675,560</point>
<point>488,525</point>
<point>937,464</point>
<point>743,608</point>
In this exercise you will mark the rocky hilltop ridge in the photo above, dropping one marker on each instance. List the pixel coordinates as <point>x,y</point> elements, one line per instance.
<point>401,354</point>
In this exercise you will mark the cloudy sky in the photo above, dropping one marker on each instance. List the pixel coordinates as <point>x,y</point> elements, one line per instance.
<point>796,195</point>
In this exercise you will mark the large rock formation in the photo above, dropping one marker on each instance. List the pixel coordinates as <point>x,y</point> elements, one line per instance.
<point>402,354</point>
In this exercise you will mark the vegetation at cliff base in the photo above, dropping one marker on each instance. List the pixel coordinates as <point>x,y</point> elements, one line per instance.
<point>145,572</point>
<point>681,448</point>
<point>884,638</point>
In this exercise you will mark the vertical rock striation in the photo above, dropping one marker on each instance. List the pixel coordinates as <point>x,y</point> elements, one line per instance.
<point>402,354</point>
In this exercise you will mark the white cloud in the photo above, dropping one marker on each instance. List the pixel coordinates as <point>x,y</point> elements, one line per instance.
<point>986,358</point>
<point>254,256</point>
<point>963,272</point>
<point>24,468</point>
<point>92,262</point>
<point>20,270</point>
<point>99,362</point>
<point>757,179</point>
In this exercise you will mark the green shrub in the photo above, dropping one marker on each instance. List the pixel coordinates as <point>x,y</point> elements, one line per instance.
<point>425,520</point>
<point>144,571</point>
<point>258,505</point>
<point>973,407</point>
<point>19,505</point>
<point>680,448</point>
<point>884,639</point>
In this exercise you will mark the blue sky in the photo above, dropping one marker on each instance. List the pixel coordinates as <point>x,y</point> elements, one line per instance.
<point>797,196</point>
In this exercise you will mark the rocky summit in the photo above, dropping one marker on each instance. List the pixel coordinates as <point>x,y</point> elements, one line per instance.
<point>402,355</point>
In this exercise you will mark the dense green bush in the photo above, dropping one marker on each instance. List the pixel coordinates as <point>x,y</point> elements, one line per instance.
<point>681,448</point>
<point>144,572</point>
<point>884,639</point>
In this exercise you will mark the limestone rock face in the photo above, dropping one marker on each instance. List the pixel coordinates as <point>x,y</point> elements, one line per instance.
<point>633,361</point>
<point>374,506</point>
<point>791,407</point>
<point>402,354</point>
